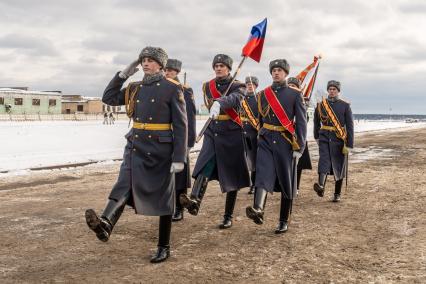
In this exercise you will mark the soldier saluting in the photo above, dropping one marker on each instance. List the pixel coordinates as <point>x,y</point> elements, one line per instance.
<point>183,179</point>
<point>334,133</point>
<point>249,117</point>
<point>222,154</point>
<point>155,149</point>
<point>281,142</point>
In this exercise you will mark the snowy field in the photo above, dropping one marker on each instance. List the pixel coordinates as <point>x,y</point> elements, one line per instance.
<point>35,144</point>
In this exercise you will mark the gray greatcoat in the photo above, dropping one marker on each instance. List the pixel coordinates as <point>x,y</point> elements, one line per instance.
<point>223,141</point>
<point>183,179</point>
<point>250,133</point>
<point>331,158</point>
<point>148,155</point>
<point>274,163</point>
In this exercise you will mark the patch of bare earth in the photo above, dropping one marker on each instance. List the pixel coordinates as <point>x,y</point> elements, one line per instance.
<point>376,234</point>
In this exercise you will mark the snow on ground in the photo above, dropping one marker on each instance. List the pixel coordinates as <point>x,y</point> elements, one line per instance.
<point>25,145</point>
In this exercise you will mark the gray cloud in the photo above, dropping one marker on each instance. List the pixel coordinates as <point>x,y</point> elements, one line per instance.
<point>30,45</point>
<point>78,46</point>
<point>413,7</point>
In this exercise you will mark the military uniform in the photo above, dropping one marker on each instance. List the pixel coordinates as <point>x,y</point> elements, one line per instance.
<point>183,179</point>
<point>304,162</point>
<point>275,163</point>
<point>222,154</point>
<point>250,122</point>
<point>332,159</point>
<point>157,139</point>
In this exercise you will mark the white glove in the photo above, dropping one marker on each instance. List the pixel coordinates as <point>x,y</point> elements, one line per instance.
<point>297,154</point>
<point>215,110</point>
<point>317,140</point>
<point>130,70</point>
<point>177,167</point>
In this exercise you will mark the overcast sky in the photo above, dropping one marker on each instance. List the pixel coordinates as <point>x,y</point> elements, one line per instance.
<point>376,48</point>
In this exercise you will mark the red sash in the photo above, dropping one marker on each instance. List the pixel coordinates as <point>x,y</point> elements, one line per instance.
<point>279,110</point>
<point>230,111</point>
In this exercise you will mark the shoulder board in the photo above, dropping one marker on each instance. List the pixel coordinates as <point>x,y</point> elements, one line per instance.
<point>238,83</point>
<point>186,86</point>
<point>134,84</point>
<point>295,88</point>
<point>345,101</point>
<point>173,81</point>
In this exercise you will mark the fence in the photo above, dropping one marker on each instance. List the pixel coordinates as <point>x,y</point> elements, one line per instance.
<point>55,117</point>
<point>71,117</point>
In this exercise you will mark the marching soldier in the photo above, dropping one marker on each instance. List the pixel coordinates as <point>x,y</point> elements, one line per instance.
<point>222,154</point>
<point>281,142</point>
<point>249,117</point>
<point>304,162</point>
<point>334,133</point>
<point>155,149</point>
<point>183,179</point>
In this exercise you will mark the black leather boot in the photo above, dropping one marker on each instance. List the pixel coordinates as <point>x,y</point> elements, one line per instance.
<point>285,212</point>
<point>256,212</point>
<point>163,248</point>
<point>337,190</point>
<point>231,198</point>
<point>178,214</point>
<point>103,226</point>
<point>251,190</point>
<point>253,179</point>
<point>319,186</point>
<point>193,202</point>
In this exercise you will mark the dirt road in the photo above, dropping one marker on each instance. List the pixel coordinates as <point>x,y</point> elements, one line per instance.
<point>376,234</point>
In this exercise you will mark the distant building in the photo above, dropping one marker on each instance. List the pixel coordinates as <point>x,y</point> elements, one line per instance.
<point>78,104</point>
<point>22,101</point>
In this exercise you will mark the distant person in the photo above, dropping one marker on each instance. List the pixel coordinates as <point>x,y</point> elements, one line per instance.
<point>334,133</point>
<point>155,150</point>
<point>8,108</point>
<point>183,179</point>
<point>106,118</point>
<point>304,162</point>
<point>111,118</point>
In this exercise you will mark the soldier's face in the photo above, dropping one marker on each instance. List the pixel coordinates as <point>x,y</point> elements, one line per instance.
<point>221,70</point>
<point>278,74</point>
<point>332,92</point>
<point>251,88</point>
<point>150,66</point>
<point>170,73</point>
<point>293,85</point>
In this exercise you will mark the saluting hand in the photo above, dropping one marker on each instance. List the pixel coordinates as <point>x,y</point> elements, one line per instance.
<point>131,69</point>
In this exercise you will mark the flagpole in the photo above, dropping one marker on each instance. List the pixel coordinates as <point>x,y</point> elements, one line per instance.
<point>315,79</point>
<point>200,135</point>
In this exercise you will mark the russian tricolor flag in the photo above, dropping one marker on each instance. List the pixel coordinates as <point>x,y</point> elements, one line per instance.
<point>254,45</point>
